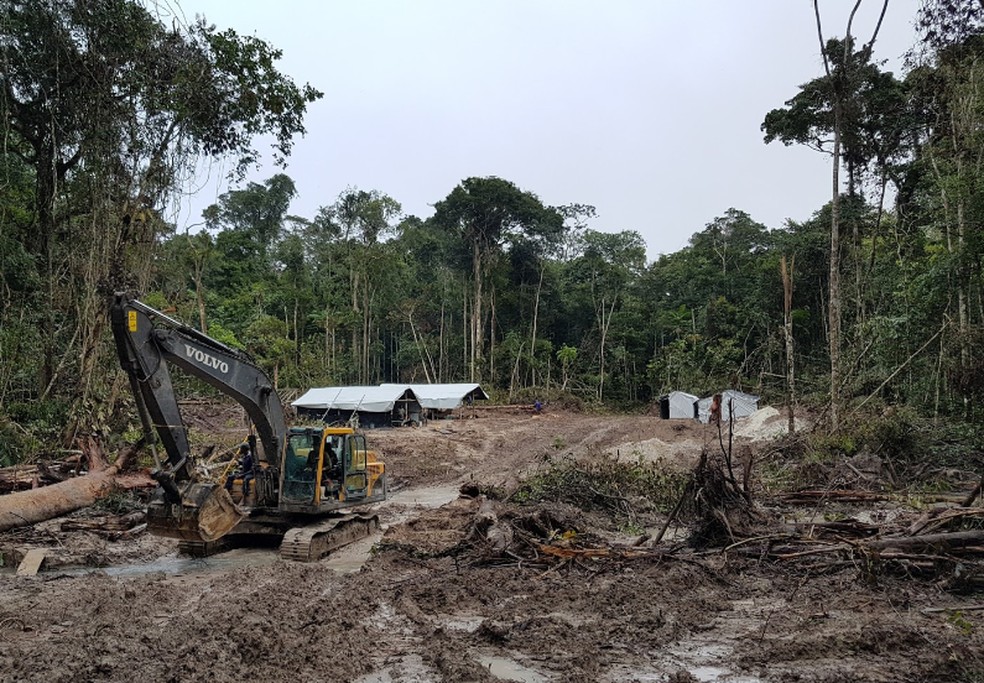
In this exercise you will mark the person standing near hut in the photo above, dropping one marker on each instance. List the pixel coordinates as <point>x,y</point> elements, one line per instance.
<point>715,415</point>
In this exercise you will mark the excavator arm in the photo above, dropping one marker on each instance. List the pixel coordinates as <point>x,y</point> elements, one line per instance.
<point>147,342</point>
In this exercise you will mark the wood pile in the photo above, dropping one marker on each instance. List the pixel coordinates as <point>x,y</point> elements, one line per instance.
<point>29,506</point>
<point>35,475</point>
<point>944,543</point>
<point>111,527</point>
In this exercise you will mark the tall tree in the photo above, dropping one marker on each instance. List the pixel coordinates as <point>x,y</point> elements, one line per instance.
<point>484,213</point>
<point>103,97</point>
<point>842,66</point>
<point>948,85</point>
<point>365,218</point>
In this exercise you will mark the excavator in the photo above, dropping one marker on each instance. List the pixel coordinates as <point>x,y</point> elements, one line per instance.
<point>305,479</point>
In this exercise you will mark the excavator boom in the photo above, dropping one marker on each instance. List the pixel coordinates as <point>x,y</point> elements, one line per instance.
<point>147,341</point>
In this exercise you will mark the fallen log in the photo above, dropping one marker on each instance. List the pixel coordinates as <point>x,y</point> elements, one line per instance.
<point>972,496</point>
<point>32,475</point>
<point>939,518</point>
<point>926,542</point>
<point>955,608</point>
<point>832,496</point>
<point>843,527</point>
<point>23,508</point>
<point>112,523</point>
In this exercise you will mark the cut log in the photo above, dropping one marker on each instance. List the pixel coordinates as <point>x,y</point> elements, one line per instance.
<point>31,476</point>
<point>37,505</point>
<point>832,496</point>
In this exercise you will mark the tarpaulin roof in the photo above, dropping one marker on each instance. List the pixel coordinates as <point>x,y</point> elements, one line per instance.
<point>444,396</point>
<point>379,399</point>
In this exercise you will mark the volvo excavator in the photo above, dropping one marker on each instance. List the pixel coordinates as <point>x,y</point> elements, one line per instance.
<point>305,478</point>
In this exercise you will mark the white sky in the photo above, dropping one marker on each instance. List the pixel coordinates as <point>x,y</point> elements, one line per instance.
<point>647,109</point>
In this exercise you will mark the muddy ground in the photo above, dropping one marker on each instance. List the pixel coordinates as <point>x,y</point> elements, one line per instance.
<point>427,600</point>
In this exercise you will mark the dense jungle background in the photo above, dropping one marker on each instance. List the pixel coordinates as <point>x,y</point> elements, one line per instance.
<point>870,301</point>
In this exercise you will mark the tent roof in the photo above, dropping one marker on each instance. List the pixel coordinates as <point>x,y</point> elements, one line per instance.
<point>369,399</point>
<point>444,396</point>
<point>679,394</point>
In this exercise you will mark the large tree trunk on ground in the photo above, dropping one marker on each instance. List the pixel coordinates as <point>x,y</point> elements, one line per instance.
<point>37,505</point>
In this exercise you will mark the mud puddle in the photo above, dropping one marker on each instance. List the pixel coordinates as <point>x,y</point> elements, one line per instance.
<point>506,669</point>
<point>400,507</point>
<point>428,497</point>
<point>179,565</point>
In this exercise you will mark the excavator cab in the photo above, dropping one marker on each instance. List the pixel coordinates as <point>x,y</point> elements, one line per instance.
<point>301,467</point>
<point>326,469</point>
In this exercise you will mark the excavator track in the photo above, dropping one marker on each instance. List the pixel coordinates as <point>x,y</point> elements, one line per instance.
<point>311,543</point>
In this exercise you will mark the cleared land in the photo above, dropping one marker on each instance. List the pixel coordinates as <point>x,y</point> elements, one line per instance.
<point>572,589</point>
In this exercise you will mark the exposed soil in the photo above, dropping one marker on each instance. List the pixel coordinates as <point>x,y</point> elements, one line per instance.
<point>431,604</point>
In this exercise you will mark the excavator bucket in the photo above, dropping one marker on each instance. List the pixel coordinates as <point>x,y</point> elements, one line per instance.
<point>205,513</point>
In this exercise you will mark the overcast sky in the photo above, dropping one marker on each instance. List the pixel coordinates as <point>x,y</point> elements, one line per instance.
<point>649,110</point>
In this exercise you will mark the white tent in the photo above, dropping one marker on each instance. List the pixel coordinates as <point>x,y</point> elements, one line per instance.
<point>677,405</point>
<point>382,406</point>
<point>444,396</point>
<point>742,403</point>
<point>369,399</point>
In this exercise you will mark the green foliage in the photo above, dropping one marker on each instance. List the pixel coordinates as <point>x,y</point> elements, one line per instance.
<point>16,443</point>
<point>534,301</point>
<point>45,418</point>
<point>604,484</point>
<point>118,501</point>
<point>218,332</point>
<point>959,621</point>
<point>896,433</point>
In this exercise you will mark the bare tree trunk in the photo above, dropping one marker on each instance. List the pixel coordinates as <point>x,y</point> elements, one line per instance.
<point>440,346</point>
<point>536,313</point>
<point>465,328</point>
<point>834,284</point>
<point>514,376</point>
<point>492,333</point>
<point>787,288</point>
<point>605,323</point>
<point>833,310</point>
<point>327,351</point>
<point>364,371</point>
<point>356,315</point>
<point>424,359</point>
<point>297,337</point>
<point>476,335</point>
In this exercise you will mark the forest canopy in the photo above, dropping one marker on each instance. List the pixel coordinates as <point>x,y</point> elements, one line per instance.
<point>105,105</point>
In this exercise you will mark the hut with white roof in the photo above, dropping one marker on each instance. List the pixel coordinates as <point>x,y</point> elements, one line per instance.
<point>379,406</point>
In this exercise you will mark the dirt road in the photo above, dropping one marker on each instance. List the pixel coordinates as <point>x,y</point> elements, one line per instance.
<point>422,606</point>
